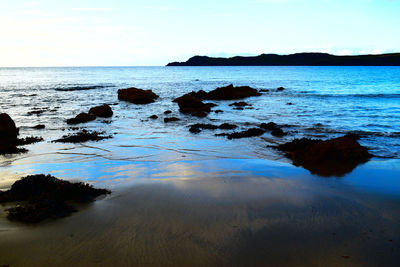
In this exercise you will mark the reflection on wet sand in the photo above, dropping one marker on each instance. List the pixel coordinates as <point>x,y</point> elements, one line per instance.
<point>222,220</point>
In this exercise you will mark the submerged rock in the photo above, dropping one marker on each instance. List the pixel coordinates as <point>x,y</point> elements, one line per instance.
<point>280,89</point>
<point>81,118</point>
<point>103,111</point>
<point>166,120</point>
<point>153,117</point>
<point>239,104</point>
<point>82,136</point>
<point>39,126</point>
<point>46,197</point>
<point>334,157</point>
<point>243,134</point>
<point>198,127</point>
<point>137,96</point>
<point>167,112</point>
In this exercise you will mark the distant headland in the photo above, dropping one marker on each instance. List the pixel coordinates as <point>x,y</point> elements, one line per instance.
<point>299,59</point>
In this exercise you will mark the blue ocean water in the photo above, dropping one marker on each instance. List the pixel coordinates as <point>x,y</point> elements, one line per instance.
<point>318,102</point>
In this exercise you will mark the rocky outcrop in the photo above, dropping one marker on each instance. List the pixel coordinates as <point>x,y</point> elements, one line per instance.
<point>137,96</point>
<point>81,118</point>
<point>334,157</point>
<point>273,128</point>
<point>8,130</point>
<point>103,111</point>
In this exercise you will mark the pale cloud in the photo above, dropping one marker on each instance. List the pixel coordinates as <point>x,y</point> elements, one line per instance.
<point>92,9</point>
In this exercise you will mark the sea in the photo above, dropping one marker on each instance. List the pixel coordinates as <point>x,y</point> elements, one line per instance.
<point>318,102</point>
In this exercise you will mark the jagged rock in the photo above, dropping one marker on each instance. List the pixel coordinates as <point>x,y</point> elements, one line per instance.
<point>103,111</point>
<point>334,157</point>
<point>137,96</point>
<point>81,118</point>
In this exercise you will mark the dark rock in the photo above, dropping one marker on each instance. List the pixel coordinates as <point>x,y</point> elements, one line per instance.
<point>289,103</point>
<point>218,111</point>
<point>205,126</point>
<point>269,126</point>
<point>194,130</point>
<point>103,111</point>
<point>166,120</point>
<point>39,126</point>
<point>280,89</point>
<point>45,197</point>
<point>278,132</point>
<point>82,136</point>
<point>239,104</point>
<point>243,134</point>
<point>153,117</point>
<point>8,130</point>
<point>81,118</point>
<point>334,157</point>
<point>227,126</point>
<point>137,96</point>
<point>239,108</point>
<point>229,92</point>
<point>264,91</point>
<point>167,112</point>
<point>193,105</point>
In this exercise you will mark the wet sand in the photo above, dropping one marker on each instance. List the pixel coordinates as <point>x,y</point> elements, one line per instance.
<point>243,213</point>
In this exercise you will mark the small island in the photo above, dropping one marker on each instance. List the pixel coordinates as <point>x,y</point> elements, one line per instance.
<point>298,59</point>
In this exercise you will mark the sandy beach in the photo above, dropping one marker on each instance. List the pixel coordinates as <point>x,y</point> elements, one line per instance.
<point>260,213</point>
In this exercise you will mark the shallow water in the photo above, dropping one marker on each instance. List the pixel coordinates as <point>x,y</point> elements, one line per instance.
<point>182,198</point>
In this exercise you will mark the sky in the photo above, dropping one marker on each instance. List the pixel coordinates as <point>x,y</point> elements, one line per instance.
<point>155,32</point>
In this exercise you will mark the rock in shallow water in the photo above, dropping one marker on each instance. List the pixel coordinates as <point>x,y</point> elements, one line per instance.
<point>137,96</point>
<point>334,157</point>
<point>103,111</point>
<point>81,118</point>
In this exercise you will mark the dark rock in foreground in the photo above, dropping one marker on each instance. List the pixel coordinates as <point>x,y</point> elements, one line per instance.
<point>46,197</point>
<point>103,111</point>
<point>137,96</point>
<point>82,136</point>
<point>334,157</point>
<point>81,118</point>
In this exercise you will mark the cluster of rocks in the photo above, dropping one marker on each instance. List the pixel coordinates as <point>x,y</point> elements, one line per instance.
<point>42,197</point>
<point>103,111</point>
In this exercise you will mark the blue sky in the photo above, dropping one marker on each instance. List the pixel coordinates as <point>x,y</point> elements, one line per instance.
<point>155,32</point>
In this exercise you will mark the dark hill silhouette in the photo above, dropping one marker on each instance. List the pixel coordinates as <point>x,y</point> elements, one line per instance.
<point>299,59</point>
